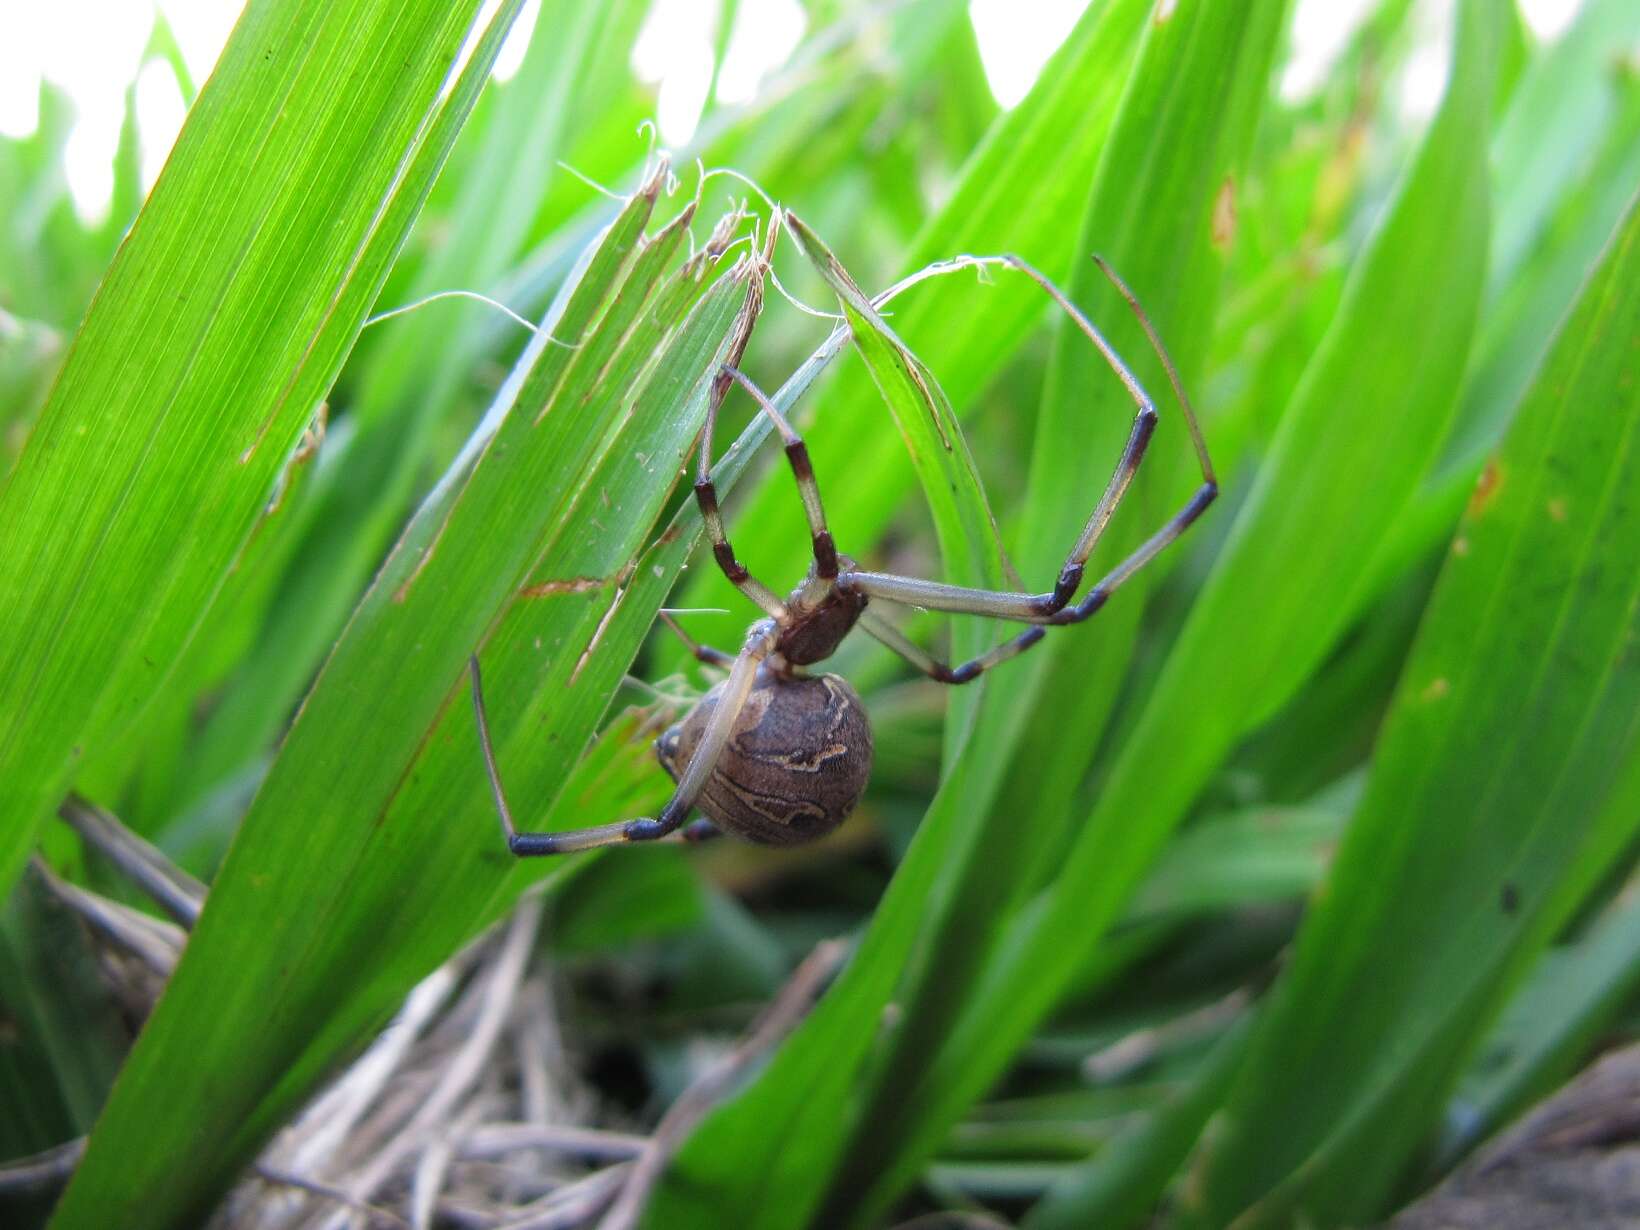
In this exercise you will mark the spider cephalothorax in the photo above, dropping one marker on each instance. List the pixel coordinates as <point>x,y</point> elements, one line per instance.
<point>776,755</point>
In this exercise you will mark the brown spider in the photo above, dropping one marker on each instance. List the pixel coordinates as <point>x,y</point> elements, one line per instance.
<point>778,756</point>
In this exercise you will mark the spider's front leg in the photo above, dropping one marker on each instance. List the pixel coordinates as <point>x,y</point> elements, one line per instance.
<point>797,455</point>
<point>1054,607</point>
<point>694,779</point>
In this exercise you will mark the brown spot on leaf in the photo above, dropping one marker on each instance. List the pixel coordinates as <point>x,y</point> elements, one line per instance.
<point>1224,214</point>
<point>1486,489</point>
<point>1437,689</point>
<point>403,591</point>
<point>573,585</point>
<point>1557,509</point>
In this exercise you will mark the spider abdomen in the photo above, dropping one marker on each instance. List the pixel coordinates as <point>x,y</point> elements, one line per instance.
<point>796,763</point>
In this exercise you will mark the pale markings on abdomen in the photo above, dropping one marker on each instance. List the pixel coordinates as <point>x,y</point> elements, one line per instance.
<point>810,764</point>
<point>776,808</point>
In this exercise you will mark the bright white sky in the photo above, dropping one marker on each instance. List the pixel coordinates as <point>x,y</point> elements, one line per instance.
<point>674,49</point>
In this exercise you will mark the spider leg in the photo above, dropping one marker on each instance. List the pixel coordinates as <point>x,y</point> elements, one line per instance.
<point>797,453</point>
<point>703,653</point>
<point>697,831</point>
<point>706,496</point>
<point>713,740</point>
<point>1054,607</point>
<point>933,667</point>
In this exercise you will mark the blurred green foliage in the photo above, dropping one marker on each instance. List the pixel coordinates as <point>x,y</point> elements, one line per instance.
<point>1391,674</point>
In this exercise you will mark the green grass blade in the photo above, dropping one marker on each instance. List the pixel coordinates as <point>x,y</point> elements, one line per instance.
<point>1566,158</point>
<point>1018,192</point>
<point>1259,611</point>
<point>1505,785</point>
<point>969,547</point>
<point>246,279</point>
<point>1577,993</point>
<point>371,852</point>
<point>417,368</point>
<point>1125,1181</point>
<point>820,1061</point>
<point>1196,93</point>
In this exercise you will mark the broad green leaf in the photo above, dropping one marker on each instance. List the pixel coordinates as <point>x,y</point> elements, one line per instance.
<point>246,278</point>
<point>1123,1183</point>
<point>1260,620</point>
<point>1566,158</point>
<point>819,1061</point>
<point>1196,92</point>
<point>1020,191</point>
<point>415,370</point>
<point>1567,96</point>
<point>1573,997</point>
<point>29,354</point>
<point>1261,855</point>
<point>371,852</point>
<point>1506,784</point>
<point>963,523</point>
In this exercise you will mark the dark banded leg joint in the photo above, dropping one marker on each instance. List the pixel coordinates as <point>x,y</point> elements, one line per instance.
<point>825,556</point>
<point>732,568</point>
<point>1145,427</point>
<point>531,845</point>
<point>1070,579</point>
<point>706,497</point>
<point>647,830</point>
<point>975,667</point>
<point>1096,599</point>
<point>802,468</point>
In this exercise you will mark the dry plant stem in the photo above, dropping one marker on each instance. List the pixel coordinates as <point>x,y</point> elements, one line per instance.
<point>371,1214</point>
<point>325,1127</point>
<point>491,1140</point>
<point>433,1167</point>
<point>48,1168</point>
<point>790,1006</point>
<point>575,1204</point>
<point>153,941</point>
<point>173,890</point>
<point>467,1065</point>
<point>536,1049</point>
<point>1134,1050</point>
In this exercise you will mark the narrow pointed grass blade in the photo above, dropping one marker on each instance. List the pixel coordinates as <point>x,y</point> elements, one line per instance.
<point>417,367</point>
<point>1019,192</point>
<point>371,852</point>
<point>1124,1181</point>
<point>793,1120</point>
<point>1573,1000</point>
<point>1335,469</point>
<point>1196,93</point>
<point>221,323</point>
<point>1506,785</point>
<point>970,550</point>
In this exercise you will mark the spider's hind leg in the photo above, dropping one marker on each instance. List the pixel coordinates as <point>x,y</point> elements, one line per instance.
<point>933,667</point>
<point>702,653</point>
<point>731,700</point>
